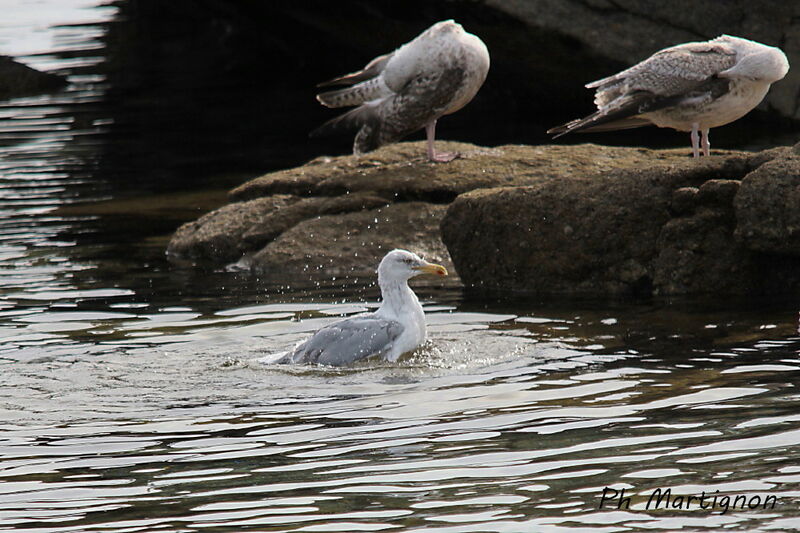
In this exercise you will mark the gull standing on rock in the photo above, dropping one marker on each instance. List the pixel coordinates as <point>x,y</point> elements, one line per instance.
<point>690,87</point>
<point>397,327</point>
<point>434,75</point>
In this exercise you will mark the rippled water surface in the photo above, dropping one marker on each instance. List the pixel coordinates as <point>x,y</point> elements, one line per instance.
<point>132,397</point>
<point>504,421</point>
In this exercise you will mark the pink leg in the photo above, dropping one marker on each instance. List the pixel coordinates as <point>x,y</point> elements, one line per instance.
<point>442,157</point>
<point>706,144</point>
<point>695,140</point>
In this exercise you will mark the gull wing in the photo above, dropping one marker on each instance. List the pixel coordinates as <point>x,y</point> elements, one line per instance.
<point>671,77</point>
<point>372,70</point>
<point>365,85</point>
<point>347,341</point>
<point>673,69</point>
<point>391,117</point>
<point>424,97</point>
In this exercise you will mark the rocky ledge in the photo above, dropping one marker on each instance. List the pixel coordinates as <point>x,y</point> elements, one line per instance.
<point>577,220</point>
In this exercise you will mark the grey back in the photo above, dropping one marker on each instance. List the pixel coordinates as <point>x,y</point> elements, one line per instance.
<point>347,341</point>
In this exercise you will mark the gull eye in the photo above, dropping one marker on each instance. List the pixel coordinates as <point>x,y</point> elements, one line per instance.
<point>408,260</point>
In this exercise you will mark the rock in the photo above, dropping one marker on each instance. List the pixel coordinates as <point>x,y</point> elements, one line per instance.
<point>702,251</point>
<point>768,207</point>
<point>268,220</point>
<point>718,192</point>
<point>218,236</point>
<point>631,230</point>
<point>268,206</point>
<point>271,225</point>
<point>401,172</point>
<point>571,236</point>
<point>17,79</point>
<point>698,254</point>
<point>352,245</point>
<point>479,168</point>
<point>684,200</point>
<point>580,220</point>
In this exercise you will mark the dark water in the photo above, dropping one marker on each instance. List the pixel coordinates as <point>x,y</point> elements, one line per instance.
<point>131,398</point>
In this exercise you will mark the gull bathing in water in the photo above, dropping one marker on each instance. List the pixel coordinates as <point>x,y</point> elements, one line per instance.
<point>397,327</point>
<point>434,75</point>
<point>690,87</point>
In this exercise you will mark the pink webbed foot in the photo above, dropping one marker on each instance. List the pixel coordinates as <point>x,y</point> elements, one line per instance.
<point>433,155</point>
<point>443,157</point>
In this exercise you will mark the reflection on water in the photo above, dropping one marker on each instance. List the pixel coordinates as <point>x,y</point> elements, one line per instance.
<point>132,399</point>
<point>502,422</point>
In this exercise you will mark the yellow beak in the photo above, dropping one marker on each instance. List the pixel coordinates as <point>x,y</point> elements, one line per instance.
<point>431,268</point>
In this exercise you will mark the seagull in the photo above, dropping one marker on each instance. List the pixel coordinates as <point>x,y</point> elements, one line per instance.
<point>397,327</point>
<point>436,74</point>
<point>689,87</point>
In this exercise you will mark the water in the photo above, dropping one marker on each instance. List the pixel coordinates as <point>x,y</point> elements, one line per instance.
<point>131,398</point>
<point>503,422</point>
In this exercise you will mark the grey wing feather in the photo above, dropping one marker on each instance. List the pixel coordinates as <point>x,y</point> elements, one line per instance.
<point>351,120</point>
<point>365,84</point>
<point>347,341</point>
<point>670,71</point>
<point>623,112</point>
<point>423,98</point>
<point>355,95</point>
<point>372,69</point>
<point>665,79</point>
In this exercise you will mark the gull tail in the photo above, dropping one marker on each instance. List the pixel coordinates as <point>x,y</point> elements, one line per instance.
<point>275,358</point>
<point>622,113</point>
<point>353,119</point>
<point>593,123</point>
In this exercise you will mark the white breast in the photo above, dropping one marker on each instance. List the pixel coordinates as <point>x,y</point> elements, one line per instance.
<point>743,96</point>
<point>404,307</point>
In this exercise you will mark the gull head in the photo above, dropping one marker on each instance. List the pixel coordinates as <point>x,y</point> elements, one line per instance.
<point>755,61</point>
<point>401,265</point>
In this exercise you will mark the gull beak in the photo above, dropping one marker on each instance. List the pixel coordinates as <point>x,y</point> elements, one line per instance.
<point>431,268</point>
